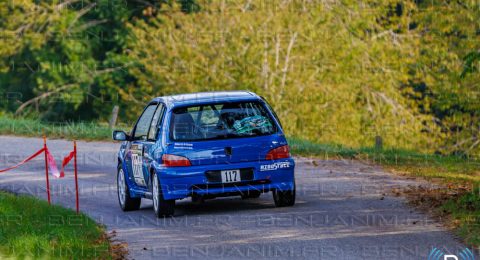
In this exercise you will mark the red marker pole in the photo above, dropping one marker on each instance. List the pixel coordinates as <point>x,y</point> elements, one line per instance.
<point>46,168</point>
<point>75,166</point>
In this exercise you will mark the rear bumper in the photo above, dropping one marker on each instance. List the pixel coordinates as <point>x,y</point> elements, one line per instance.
<point>182,182</point>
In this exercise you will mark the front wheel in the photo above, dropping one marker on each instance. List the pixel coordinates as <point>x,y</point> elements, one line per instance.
<point>161,206</point>
<point>284,198</point>
<point>126,202</point>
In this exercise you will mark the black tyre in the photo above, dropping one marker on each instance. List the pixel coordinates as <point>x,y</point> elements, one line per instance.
<point>198,199</point>
<point>251,195</point>
<point>126,202</point>
<point>161,206</point>
<point>284,198</point>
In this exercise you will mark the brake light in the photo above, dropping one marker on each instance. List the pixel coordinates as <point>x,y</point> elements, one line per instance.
<point>278,153</point>
<point>170,160</point>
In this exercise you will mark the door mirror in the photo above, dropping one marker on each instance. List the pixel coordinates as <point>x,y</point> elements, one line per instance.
<point>120,136</point>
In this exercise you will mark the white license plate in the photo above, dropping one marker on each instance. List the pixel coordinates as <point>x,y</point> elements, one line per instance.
<point>230,176</point>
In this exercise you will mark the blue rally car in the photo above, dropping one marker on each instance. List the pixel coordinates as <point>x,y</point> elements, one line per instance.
<point>204,145</point>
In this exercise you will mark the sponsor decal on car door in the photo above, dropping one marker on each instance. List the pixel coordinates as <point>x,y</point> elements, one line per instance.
<point>137,164</point>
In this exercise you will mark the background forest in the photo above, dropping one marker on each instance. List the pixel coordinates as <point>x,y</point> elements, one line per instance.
<point>336,71</point>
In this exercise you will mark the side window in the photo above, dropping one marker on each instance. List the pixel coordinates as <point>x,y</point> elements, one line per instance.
<point>143,124</point>
<point>157,118</point>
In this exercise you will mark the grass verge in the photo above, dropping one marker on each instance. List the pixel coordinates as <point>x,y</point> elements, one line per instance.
<point>32,229</point>
<point>71,130</point>
<point>465,209</point>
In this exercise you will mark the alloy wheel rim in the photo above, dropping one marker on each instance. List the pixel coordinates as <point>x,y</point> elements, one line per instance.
<point>155,192</point>
<point>121,187</point>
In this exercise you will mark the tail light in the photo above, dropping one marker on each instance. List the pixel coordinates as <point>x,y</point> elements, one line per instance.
<point>278,153</point>
<point>170,160</point>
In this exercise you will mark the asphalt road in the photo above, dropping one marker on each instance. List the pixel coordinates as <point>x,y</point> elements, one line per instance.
<point>343,211</point>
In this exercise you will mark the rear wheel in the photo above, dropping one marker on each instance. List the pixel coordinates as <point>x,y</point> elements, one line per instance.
<point>126,202</point>
<point>161,206</point>
<point>284,198</point>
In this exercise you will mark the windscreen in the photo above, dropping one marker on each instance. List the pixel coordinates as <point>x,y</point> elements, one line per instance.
<point>221,121</point>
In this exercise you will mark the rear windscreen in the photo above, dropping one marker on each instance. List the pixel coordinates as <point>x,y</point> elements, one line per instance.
<point>221,121</point>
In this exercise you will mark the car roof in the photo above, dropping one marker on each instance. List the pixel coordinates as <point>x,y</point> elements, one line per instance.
<point>202,97</point>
